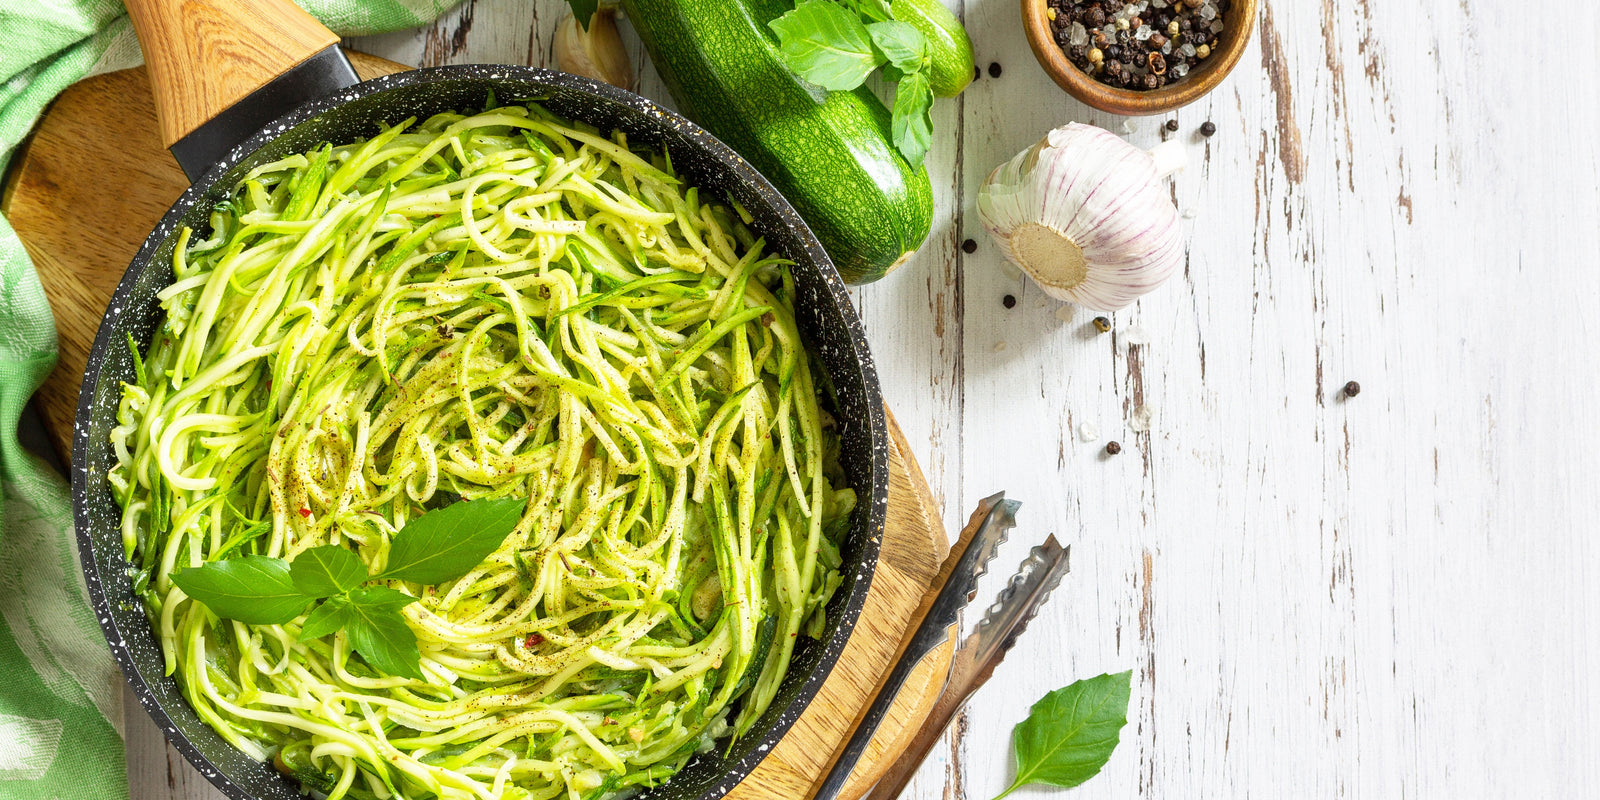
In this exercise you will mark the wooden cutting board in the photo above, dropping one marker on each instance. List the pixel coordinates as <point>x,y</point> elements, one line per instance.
<point>93,180</point>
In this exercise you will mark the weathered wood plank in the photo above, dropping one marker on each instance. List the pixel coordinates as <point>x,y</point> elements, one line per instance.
<point>1387,596</point>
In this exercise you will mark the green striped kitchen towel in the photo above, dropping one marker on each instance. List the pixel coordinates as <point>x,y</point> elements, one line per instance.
<point>60,696</point>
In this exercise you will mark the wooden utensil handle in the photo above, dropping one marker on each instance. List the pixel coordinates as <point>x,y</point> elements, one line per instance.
<point>206,55</point>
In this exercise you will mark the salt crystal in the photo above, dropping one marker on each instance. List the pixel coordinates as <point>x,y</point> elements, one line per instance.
<point>1217,26</point>
<point>1144,32</point>
<point>1141,418</point>
<point>1186,50</point>
<point>1077,36</point>
<point>1136,335</point>
<point>1180,70</point>
<point>1088,432</point>
<point>1167,48</point>
<point>1128,126</point>
<point>1065,312</point>
<point>999,346</point>
<point>1207,12</point>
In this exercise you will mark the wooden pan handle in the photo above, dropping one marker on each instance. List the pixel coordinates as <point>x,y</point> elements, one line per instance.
<point>206,55</point>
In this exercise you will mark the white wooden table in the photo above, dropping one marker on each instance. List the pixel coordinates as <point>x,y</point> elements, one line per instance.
<point>1388,596</point>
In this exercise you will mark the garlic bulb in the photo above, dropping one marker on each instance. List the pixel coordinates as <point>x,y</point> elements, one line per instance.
<point>1084,213</point>
<point>594,53</point>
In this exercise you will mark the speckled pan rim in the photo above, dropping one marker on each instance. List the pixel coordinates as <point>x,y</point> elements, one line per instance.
<point>868,530</point>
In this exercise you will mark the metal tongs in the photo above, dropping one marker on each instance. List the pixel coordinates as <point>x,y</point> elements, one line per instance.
<point>975,659</point>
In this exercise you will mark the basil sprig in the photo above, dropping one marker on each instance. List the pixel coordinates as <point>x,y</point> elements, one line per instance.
<point>436,547</point>
<point>1070,733</point>
<point>836,48</point>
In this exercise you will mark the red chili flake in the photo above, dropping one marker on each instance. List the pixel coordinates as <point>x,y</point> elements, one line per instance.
<point>533,640</point>
<point>305,512</point>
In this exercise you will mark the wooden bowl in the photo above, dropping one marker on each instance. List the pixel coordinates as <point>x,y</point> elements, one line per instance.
<point>1240,21</point>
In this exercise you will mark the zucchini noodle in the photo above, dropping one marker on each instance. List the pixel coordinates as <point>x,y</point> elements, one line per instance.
<point>488,306</point>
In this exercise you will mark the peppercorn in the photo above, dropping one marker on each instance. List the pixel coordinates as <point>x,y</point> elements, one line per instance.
<point>994,69</point>
<point>1009,301</point>
<point>969,246</point>
<point>1113,448</point>
<point>1172,125</point>
<point>1096,56</point>
<point>1208,128</point>
<point>1157,40</point>
<point>1352,389</point>
<point>1102,324</point>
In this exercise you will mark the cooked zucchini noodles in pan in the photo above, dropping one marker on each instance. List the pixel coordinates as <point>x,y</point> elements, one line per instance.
<point>503,305</point>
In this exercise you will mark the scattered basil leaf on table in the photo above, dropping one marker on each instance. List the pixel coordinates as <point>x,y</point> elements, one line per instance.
<point>437,547</point>
<point>1070,733</point>
<point>826,44</point>
<point>912,123</point>
<point>327,570</point>
<point>255,590</point>
<point>445,543</point>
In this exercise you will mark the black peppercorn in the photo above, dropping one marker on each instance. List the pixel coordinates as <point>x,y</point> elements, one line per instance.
<point>1113,448</point>
<point>1352,389</point>
<point>1102,324</point>
<point>969,246</point>
<point>994,69</point>
<point>1208,128</point>
<point>1009,301</point>
<point>1172,124</point>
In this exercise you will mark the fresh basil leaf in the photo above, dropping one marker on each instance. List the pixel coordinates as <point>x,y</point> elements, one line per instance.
<point>446,543</point>
<point>873,10</point>
<point>912,123</point>
<point>1070,733</point>
<point>380,634</point>
<point>904,46</point>
<point>826,45</point>
<point>327,570</point>
<point>329,616</point>
<point>255,590</point>
<point>584,10</point>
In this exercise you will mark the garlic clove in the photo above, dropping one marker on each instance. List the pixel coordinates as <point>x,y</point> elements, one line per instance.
<point>1085,215</point>
<point>594,53</point>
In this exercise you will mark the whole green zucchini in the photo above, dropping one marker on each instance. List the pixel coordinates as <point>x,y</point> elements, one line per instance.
<point>830,153</point>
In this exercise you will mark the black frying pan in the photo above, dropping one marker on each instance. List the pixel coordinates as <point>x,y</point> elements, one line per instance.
<point>196,62</point>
